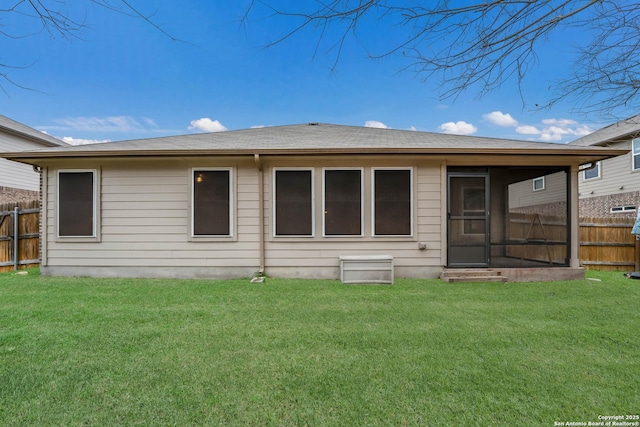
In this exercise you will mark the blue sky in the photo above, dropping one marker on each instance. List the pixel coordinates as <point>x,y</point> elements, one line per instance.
<point>123,79</point>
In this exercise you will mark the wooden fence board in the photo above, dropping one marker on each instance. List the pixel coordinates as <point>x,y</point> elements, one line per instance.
<point>607,244</point>
<point>28,229</point>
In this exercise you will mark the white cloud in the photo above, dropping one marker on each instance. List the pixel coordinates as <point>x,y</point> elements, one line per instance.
<point>500,119</point>
<point>375,124</point>
<point>559,122</point>
<point>528,130</point>
<point>79,141</point>
<point>99,124</point>
<point>555,130</point>
<point>458,128</point>
<point>205,124</point>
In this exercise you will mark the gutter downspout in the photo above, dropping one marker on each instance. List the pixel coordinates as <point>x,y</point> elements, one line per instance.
<point>256,158</point>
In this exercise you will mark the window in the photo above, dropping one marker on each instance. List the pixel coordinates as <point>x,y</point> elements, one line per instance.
<point>636,154</point>
<point>622,209</point>
<point>293,202</point>
<point>592,173</point>
<point>392,207</point>
<point>77,203</point>
<point>212,205</point>
<point>342,202</point>
<point>538,184</point>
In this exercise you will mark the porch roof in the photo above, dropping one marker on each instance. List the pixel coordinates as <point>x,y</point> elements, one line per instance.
<point>317,139</point>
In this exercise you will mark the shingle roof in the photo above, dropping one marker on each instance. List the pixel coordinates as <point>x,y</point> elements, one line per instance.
<point>312,138</point>
<point>16,128</point>
<point>625,129</point>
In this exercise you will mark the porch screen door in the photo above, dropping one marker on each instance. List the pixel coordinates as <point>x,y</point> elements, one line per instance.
<point>468,220</point>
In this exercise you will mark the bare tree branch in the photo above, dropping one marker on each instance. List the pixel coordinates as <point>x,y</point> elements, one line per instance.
<point>59,20</point>
<point>481,45</point>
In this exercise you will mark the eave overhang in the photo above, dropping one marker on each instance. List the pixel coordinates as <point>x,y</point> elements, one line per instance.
<point>569,155</point>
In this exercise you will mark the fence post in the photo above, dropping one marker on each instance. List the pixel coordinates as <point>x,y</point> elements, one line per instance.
<point>16,238</point>
<point>637,254</point>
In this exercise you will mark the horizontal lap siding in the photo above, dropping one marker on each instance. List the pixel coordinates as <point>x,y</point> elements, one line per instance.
<point>145,210</point>
<point>145,222</point>
<point>321,251</point>
<point>14,174</point>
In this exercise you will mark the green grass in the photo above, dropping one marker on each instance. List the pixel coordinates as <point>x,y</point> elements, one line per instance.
<point>96,352</point>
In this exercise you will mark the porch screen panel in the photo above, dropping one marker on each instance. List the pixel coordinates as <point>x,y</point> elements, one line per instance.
<point>343,202</point>
<point>211,203</point>
<point>392,202</point>
<point>76,204</point>
<point>293,203</point>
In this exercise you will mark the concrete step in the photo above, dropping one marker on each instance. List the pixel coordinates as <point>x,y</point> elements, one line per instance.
<point>472,275</point>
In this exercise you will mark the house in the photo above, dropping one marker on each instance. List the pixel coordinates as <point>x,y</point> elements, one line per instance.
<point>290,201</point>
<point>19,181</point>
<point>611,187</point>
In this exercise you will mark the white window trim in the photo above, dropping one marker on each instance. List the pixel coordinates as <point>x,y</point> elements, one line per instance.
<point>232,191</point>
<point>373,201</point>
<point>622,209</point>
<point>534,184</point>
<point>634,153</point>
<point>95,235</point>
<point>313,202</point>
<point>598,167</point>
<point>324,170</point>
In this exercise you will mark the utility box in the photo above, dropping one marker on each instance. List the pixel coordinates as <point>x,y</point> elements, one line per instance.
<point>374,269</point>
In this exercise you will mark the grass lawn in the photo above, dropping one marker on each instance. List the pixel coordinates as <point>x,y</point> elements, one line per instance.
<point>97,352</point>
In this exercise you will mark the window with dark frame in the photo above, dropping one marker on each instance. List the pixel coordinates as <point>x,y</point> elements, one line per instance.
<point>76,204</point>
<point>636,153</point>
<point>293,203</point>
<point>342,202</point>
<point>211,203</point>
<point>392,202</point>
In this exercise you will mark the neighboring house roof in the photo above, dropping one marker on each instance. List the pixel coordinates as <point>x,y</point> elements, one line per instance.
<point>314,138</point>
<point>622,130</point>
<point>11,126</point>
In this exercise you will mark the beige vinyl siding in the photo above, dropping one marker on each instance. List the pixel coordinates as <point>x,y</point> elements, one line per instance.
<point>145,218</point>
<point>293,255</point>
<point>14,174</point>
<point>614,173</point>
<point>145,214</point>
<point>521,194</point>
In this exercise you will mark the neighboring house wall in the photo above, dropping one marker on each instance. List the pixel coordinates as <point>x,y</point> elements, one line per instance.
<point>15,195</point>
<point>144,214</point>
<point>522,197</point>
<point>13,174</point>
<point>617,186</point>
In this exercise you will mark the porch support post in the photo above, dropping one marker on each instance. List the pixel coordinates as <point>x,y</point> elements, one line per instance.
<point>575,218</point>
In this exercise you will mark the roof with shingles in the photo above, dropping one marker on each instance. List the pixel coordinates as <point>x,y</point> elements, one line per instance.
<point>624,129</point>
<point>17,128</point>
<point>312,138</point>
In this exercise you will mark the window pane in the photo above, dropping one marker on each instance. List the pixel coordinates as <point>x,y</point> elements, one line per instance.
<point>392,202</point>
<point>342,203</point>
<point>211,203</point>
<point>593,172</point>
<point>293,203</point>
<point>75,192</point>
<point>636,154</point>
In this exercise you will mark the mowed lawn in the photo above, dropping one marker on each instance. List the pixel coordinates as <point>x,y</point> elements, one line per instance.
<point>98,352</point>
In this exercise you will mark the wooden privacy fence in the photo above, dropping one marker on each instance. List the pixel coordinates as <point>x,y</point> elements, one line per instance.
<point>19,234</point>
<point>607,244</point>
